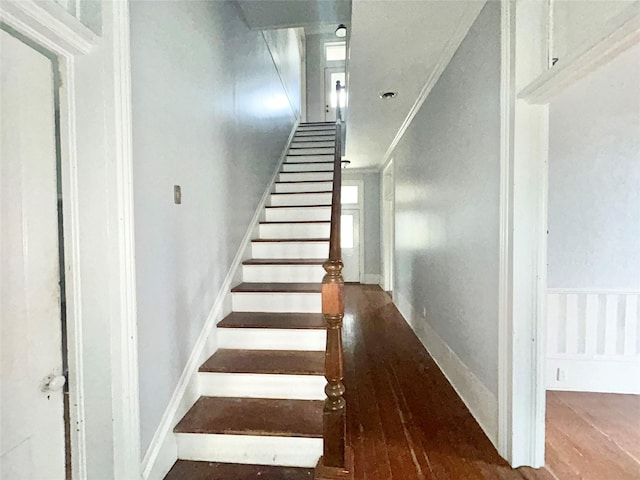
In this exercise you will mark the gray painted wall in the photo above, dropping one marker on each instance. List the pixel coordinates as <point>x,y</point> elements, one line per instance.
<point>370,217</point>
<point>594,180</point>
<point>447,203</point>
<point>206,116</point>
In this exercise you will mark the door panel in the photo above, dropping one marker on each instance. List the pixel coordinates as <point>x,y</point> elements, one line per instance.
<point>32,424</point>
<point>350,244</point>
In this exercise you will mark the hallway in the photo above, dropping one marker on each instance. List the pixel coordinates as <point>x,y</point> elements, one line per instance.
<point>404,418</point>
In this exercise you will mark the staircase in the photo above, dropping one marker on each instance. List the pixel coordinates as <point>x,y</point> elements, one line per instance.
<point>263,389</point>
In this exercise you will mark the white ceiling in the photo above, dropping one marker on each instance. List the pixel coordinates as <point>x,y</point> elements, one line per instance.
<point>269,14</point>
<point>395,45</point>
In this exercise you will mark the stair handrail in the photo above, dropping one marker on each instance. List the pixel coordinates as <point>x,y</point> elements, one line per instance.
<point>336,461</point>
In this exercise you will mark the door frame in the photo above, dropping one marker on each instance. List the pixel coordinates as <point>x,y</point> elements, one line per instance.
<point>387,239</point>
<point>100,266</point>
<point>361,213</point>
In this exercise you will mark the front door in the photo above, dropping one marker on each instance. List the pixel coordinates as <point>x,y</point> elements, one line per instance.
<point>331,98</point>
<point>350,243</point>
<point>32,441</point>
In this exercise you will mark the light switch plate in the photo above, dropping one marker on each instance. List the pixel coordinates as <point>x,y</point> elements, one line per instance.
<point>177,194</point>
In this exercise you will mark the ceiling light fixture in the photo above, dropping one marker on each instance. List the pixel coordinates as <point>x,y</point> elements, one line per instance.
<point>341,31</point>
<point>388,95</point>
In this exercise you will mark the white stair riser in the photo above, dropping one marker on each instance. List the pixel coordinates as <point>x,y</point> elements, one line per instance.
<point>304,187</point>
<point>308,158</point>
<point>250,449</point>
<point>279,200</point>
<point>309,340</point>
<point>323,128</point>
<point>313,137</point>
<point>312,151</point>
<point>276,302</point>
<point>290,249</point>
<point>294,230</point>
<point>322,143</point>
<point>307,167</point>
<point>301,214</point>
<point>251,385</point>
<point>304,176</point>
<point>282,273</point>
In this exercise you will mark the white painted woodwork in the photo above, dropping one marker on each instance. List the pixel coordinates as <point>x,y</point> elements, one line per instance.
<point>298,214</point>
<point>282,273</point>
<point>276,302</point>
<point>32,428</point>
<point>286,199</point>
<point>252,385</point>
<point>322,129</point>
<point>313,151</point>
<point>317,166</point>
<point>290,249</point>
<point>310,158</point>
<point>316,144</point>
<point>313,340</point>
<point>593,341</point>
<point>305,176</point>
<point>303,135</point>
<point>294,230</point>
<point>260,450</point>
<point>351,251</point>
<point>303,187</point>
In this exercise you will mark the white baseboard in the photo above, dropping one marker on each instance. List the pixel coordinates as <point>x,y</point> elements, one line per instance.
<point>482,404</point>
<point>371,279</point>
<point>601,376</point>
<point>163,449</point>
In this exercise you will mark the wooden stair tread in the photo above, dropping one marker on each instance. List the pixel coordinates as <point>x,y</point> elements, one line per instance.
<point>297,206</point>
<point>300,193</point>
<point>290,240</point>
<point>304,181</point>
<point>253,416</point>
<point>284,261</point>
<point>273,320</point>
<point>308,171</point>
<point>260,287</point>
<point>294,221</point>
<point>192,470</point>
<point>289,362</point>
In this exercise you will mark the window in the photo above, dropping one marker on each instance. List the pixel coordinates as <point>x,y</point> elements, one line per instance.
<point>335,51</point>
<point>349,194</point>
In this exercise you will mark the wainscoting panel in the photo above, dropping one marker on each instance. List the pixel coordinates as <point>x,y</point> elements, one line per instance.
<point>593,341</point>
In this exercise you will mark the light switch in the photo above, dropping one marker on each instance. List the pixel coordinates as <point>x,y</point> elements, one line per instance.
<point>177,194</point>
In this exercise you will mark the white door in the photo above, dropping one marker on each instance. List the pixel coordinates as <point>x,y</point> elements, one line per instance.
<point>32,425</point>
<point>331,98</point>
<point>350,243</point>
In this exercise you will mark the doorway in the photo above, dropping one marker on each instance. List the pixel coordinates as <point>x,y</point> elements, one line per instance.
<point>35,422</point>
<point>388,226</point>
<point>331,97</point>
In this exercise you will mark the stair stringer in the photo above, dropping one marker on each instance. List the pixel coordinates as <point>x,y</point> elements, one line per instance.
<point>163,449</point>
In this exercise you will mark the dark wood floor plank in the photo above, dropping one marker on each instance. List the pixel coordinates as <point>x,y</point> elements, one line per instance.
<point>290,362</point>
<point>186,470</point>
<point>253,416</point>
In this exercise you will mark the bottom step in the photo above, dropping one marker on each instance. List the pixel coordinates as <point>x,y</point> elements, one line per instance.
<point>183,469</point>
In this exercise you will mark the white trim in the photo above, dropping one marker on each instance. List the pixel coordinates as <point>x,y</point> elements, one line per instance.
<point>126,405</point>
<point>360,207</point>
<point>622,32</point>
<point>522,264</point>
<point>360,171</point>
<point>49,25</point>
<point>597,291</point>
<point>163,449</point>
<point>458,35</point>
<point>482,404</point>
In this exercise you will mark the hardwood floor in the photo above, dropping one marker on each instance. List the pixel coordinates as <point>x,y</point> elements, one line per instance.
<point>593,436</point>
<point>404,419</point>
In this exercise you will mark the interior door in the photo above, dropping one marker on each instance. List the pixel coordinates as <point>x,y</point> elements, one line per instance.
<point>331,99</point>
<point>350,244</point>
<point>32,426</point>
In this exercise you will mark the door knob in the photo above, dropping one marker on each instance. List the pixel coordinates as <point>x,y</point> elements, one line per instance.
<point>52,383</point>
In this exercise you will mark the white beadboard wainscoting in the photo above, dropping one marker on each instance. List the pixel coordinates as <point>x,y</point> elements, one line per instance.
<point>593,340</point>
